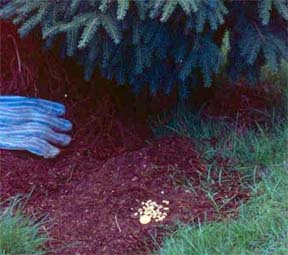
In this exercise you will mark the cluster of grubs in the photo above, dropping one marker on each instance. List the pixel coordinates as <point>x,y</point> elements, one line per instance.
<point>151,210</point>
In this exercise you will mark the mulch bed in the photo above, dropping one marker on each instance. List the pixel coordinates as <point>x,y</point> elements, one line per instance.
<point>85,197</point>
<point>93,189</point>
<point>247,105</point>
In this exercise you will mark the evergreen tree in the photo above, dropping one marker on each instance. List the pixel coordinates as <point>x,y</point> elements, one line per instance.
<point>160,43</point>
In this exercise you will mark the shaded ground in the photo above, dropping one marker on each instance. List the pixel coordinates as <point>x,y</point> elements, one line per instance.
<point>249,106</point>
<point>92,190</point>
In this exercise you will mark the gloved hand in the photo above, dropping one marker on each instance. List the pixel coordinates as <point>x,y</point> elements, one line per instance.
<point>32,124</point>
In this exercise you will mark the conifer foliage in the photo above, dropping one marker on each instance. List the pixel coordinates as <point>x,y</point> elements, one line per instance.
<point>160,43</point>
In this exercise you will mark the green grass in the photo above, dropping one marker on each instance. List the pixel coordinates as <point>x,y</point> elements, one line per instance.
<point>252,148</point>
<point>186,124</point>
<point>20,234</point>
<point>262,225</point>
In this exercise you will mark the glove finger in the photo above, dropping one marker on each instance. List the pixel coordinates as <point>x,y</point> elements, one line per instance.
<point>11,117</point>
<point>32,129</point>
<point>34,145</point>
<point>22,103</point>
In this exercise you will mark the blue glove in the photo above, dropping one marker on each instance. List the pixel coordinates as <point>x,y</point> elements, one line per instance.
<point>32,124</point>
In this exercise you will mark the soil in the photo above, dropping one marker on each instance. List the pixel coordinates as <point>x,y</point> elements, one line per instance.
<point>93,189</point>
<point>249,106</point>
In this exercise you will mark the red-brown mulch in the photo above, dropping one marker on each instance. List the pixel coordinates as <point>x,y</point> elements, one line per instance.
<point>244,104</point>
<point>92,190</point>
<point>85,197</point>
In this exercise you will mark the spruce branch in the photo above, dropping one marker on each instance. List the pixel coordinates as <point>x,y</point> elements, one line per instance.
<point>265,7</point>
<point>89,32</point>
<point>159,43</point>
<point>111,27</point>
<point>104,6</point>
<point>168,9</point>
<point>122,8</point>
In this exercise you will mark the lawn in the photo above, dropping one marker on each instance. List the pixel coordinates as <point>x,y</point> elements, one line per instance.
<point>262,224</point>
